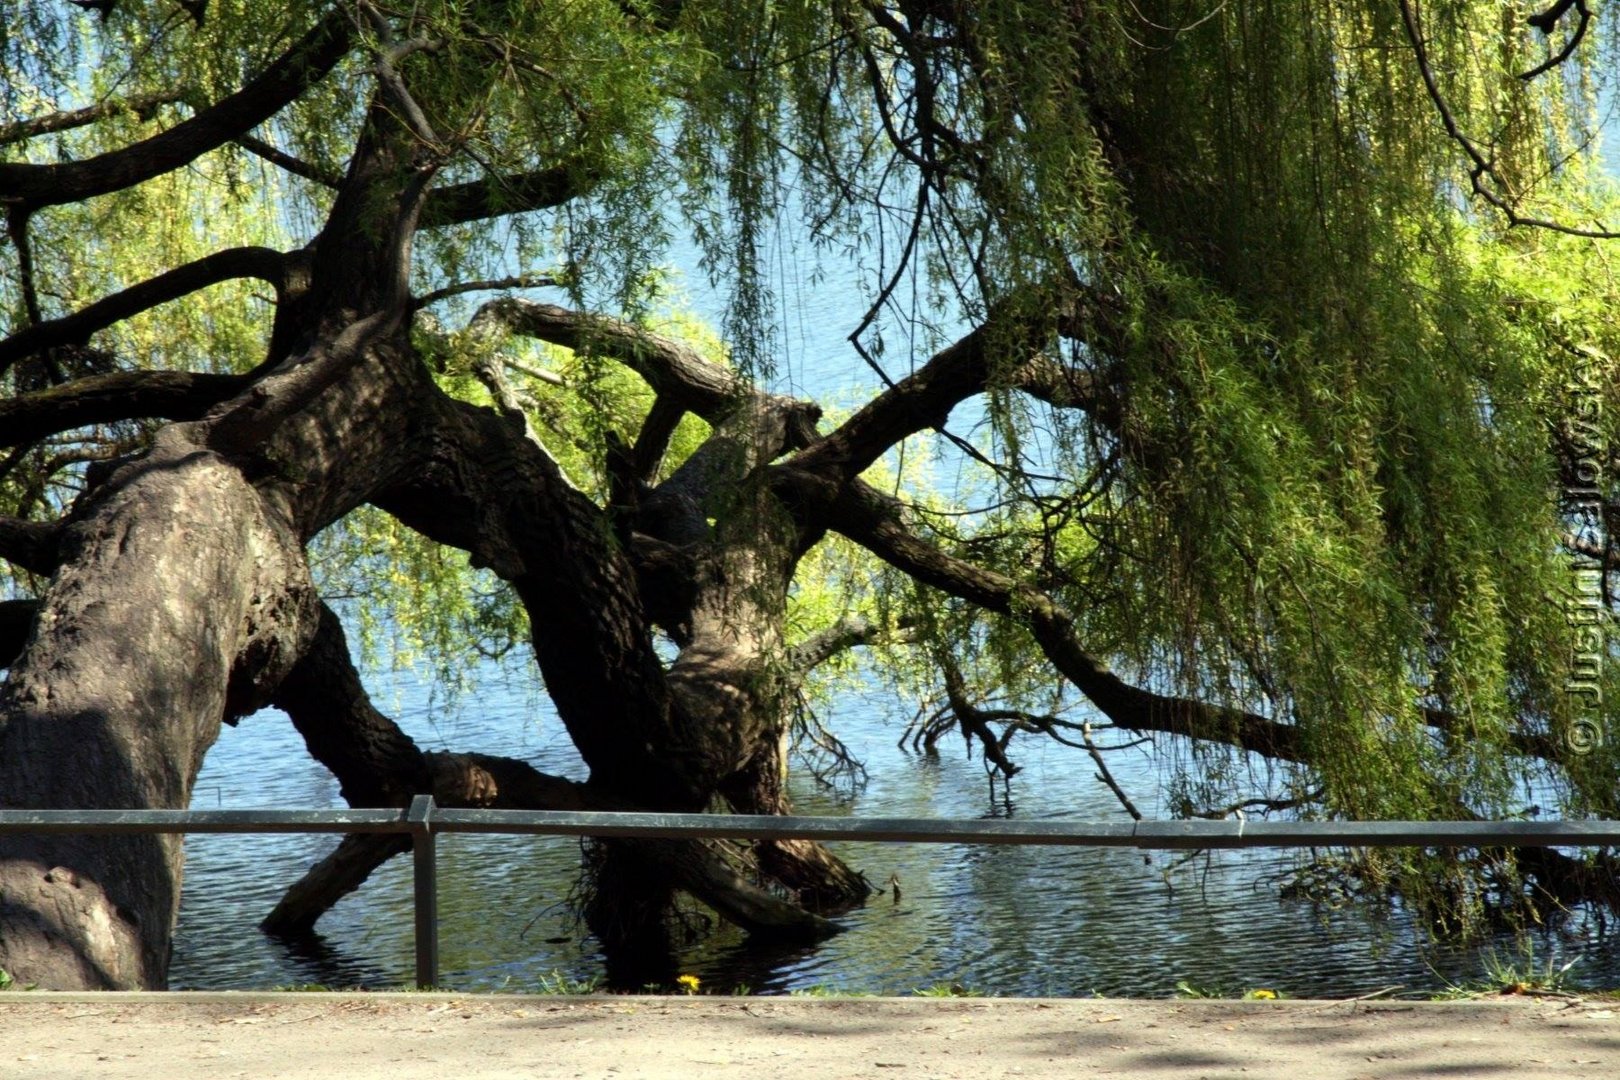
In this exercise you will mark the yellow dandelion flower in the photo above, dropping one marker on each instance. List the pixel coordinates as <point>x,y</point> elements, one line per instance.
<point>1263,995</point>
<point>689,983</point>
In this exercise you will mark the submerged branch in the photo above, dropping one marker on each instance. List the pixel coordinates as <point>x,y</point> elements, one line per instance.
<point>974,721</point>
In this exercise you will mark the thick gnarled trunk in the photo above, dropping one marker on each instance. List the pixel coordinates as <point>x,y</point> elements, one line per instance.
<point>180,601</point>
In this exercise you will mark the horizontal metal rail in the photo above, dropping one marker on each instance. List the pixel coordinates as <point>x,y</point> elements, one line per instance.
<point>424,819</point>
<point>1144,835</point>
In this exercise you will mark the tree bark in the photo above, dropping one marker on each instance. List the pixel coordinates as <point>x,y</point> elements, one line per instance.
<point>814,875</point>
<point>180,601</point>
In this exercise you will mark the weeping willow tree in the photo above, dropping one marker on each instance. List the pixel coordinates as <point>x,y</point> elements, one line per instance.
<point>1271,343</point>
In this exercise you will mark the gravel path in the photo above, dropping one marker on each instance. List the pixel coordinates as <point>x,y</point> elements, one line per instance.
<point>410,1036</point>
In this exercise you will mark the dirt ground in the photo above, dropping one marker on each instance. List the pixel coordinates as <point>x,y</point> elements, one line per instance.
<point>409,1036</point>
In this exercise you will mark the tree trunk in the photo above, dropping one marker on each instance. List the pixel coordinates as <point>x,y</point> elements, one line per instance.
<point>180,601</point>
<point>820,880</point>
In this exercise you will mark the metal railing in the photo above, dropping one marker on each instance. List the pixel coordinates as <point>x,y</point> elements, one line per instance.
<point>425,819</point>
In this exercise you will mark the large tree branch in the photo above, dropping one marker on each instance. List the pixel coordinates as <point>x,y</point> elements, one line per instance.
<point>496,196</point>
<point>281,270</point>
<point>677,372</point>
<point>248,419</point>
<point>652,441</point>
<point>1009,353</point>
<point>123,395</point>
<point>480,486</point>
<point>375,763</point>
<point>32,545</point>
<point>309,59</point>
<point>916,403</point>
<point>875,521</point>
<point>141,105</point>
<point>378,764</point>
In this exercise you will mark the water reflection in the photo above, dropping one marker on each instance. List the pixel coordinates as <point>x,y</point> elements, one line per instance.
<point>1004,920</point>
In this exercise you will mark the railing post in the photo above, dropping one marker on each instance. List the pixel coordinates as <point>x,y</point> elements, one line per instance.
<point>425,892</point>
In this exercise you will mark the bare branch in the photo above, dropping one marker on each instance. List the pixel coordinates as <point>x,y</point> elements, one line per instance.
<point>1263,806</point>
<point>520,281</point>
<point>265,264</point>
<point>1545,23</point>
<point>1486,182</point>
<point>142,105</point>
<point>874,520</point>
<point>550,378</point>
<point>287,78</point>
<point>284,160</point>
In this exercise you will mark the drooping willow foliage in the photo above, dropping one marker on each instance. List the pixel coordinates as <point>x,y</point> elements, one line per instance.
<point>1345,420</point>
<point>1340,482</point>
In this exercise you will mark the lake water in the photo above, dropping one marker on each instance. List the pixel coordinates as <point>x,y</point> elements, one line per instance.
<point>1011,921</point>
